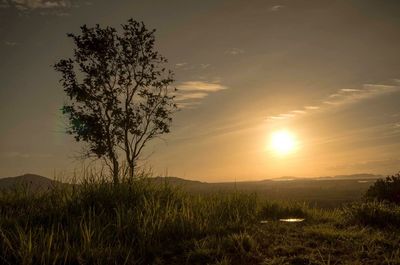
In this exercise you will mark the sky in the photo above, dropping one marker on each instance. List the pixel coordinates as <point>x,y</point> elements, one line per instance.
<point>327,72</point>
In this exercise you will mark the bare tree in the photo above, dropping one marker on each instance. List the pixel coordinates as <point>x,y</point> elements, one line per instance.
<point>119,91</point>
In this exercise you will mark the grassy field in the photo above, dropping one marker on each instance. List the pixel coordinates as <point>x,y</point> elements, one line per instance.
<point>323,193</point>
<point>138,222</point>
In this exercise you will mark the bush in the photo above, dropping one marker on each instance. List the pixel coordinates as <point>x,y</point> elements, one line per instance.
<point>276,210</point>
<point>373,213</point>
<point>385,189</point>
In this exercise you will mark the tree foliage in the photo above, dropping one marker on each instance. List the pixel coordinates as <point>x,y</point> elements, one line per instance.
<point>386,189</point>
<point>119,91</point>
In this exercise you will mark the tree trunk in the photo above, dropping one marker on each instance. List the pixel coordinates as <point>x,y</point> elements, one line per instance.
<point>115,171</point>
<point>131,169</point>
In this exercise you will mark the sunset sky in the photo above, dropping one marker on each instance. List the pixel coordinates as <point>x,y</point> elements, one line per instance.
<point>327,72</point>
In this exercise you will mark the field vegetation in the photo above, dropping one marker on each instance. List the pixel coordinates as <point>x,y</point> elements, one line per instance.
<point>140,222</point>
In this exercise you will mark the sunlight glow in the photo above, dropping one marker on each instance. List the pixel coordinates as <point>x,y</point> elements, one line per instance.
<point>282,142</point>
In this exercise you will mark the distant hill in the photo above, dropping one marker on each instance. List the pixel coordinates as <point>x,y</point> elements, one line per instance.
<point>34,182</point>
<point>354,176</point>
<point>40,181</point>
<point>176,181</point>
<point>322,191</point>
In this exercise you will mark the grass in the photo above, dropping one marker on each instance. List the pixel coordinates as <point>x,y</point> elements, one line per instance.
<point>141,223</point>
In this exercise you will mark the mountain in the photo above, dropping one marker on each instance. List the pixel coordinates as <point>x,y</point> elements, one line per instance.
<point>32,181</point>
<point>176,181</point>
<point>353,176</point>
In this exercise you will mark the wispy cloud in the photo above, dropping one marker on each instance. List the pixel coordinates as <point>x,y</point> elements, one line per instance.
<point>287,115</point>
<point>276,8</point>
<point>341,97</point>
<point>204,65</point>
<point>311,107</point>
<point>39,4</point>
<point>4,4</point>
<point>369,165</point>
<point>298,111</point>
<point>349,90</point>
<point>190,92</point>
<point>44,7</point>
<point>10,43</point>
<point>201,86</point>
<point>190,95</point>
<point>187,105</point>
<point>180,65</point>
<point>276,118</point>
<point>24,155</point>
<point>194,67</point>
<point>234,51</point>
<point>346,96</point>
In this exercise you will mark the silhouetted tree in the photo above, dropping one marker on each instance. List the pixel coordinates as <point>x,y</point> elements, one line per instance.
<point>385,189</point>
<point>119,92</point>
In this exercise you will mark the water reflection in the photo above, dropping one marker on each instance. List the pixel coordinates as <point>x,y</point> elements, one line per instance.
<point>288,220</point>
<point>292,220</point>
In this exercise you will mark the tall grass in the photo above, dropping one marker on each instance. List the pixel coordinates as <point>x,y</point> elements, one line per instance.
<point>139,222</point>
<point>100,223</point>
<point>374,214</point>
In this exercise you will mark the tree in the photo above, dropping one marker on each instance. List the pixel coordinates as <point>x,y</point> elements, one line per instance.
<point>119,91</point>
<point>385,189</point>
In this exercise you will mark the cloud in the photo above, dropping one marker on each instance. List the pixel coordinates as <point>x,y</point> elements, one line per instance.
<point>4,4</point>
<point>24,155</point>
<point>349,90</point>
<point>204,65</point>
<point>190,92</point>
<point>200,86</point>
<point>179,65</point>
<point>346,96</point>
<point>330,102</point>
<point>341,97</point>
<point>369,165</point>
<point>234,51</point>
<point>45,7</point>
<point>299,111</point>
<point>287,115</point>
<point>186,66</point>
<point>275,118</point>
<point>276,8</point>
<point>187,105</point>
<point>190,95</point>
<point>10,43</point>
<point>282,116</point>
<point>292,114</point>
<point>311,107</point>
<point>40,4</point>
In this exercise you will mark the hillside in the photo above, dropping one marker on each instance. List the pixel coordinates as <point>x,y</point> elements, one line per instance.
<point>32,181</point>
<point>322,191</point>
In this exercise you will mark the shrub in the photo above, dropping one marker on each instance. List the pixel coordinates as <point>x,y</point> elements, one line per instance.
<point>373,213</point>
<point>277,210</point>
<point>385,189</point>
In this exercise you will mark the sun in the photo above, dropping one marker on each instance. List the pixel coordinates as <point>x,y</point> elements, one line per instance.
<point>282,142</point>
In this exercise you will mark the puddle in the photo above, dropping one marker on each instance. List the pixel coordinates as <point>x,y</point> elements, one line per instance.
<point>292,220</point>
<point>288,220</point>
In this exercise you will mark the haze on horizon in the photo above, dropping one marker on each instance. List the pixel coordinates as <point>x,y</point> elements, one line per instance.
<point>326,72</point>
